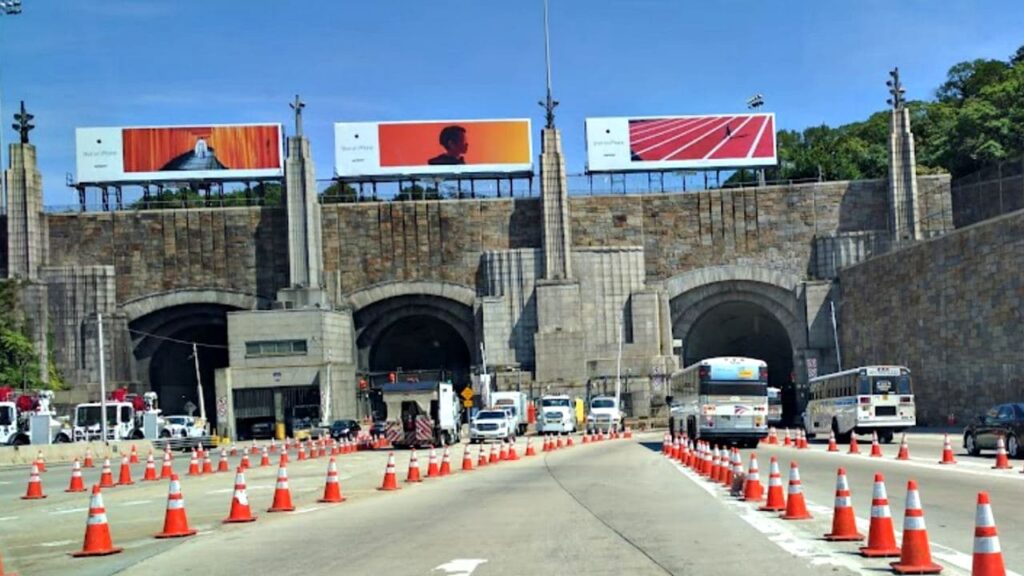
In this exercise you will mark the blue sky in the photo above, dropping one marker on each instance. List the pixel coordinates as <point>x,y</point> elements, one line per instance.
<point>131,62</point>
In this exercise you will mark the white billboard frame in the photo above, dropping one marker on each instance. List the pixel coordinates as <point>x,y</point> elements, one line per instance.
<point>106,144</point>
<point>612,154</point>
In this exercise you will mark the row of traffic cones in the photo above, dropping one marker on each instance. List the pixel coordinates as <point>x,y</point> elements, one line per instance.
<point>435,469</point>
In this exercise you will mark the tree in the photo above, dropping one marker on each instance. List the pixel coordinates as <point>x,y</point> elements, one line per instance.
<point>19,364</point>
<point>339,192</point>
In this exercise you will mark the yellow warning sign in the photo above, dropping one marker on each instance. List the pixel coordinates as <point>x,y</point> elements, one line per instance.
<point>467,393</point>
<point>467,403</point>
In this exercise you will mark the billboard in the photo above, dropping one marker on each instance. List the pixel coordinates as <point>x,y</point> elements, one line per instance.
<point>177,153</point>
<point>680,142</point>
<point>437,147</point>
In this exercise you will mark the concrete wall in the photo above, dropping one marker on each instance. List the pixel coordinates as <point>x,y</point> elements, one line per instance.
<point>951,309</point>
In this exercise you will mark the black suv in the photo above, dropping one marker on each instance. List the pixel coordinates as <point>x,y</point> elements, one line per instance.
<point>344,429</point>
<point>1006,421</point>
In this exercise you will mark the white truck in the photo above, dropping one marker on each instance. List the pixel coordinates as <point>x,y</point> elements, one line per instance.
<point>124,422</point>
<point>604,415</point>
<point>516,401</point>
<point>557,414</point>
<point>16,423</point>
<point>421,413</point>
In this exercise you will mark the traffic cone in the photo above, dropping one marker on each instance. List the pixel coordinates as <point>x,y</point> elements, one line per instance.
<point>482,460</point>
<point>916,555</point>
<point>776,499</point>
<point>881,535</point>
<point>87,461</point>
<point>854,447</point>
<point>240,510</point>
<point>493,459</point>
<point>35,485</point>
<point>666,442</point>
<point>414,468</point>
<point>801,439</point>
<point>844,522</point>
<point>301,452</point>
<point>390,478</point>
<point>796,507</point>
<point>446,463</point>
<point>787,442</point>
<point>467,460</point>
<point>40,461</point>
<point>193,465</point>
<point>773,437</point>
<point>255,449</point>
<point>988,556</point>
<point>683,452</point>
<point>2,573</point>
<point>832,447</point>
<point>559,443</point>
<point>1002,461</point>
<point>708,461</point>
<point>876,448</point>
<point>586,439</point>
<point>947,452</point>
<point>106,477</point>
<point>673,449</point>
<point>234,451</point>
<point>265,458</point>
<point>716,465</point>
<point>691,455</point>
<point>244,462</point>
<point>529,447</point>
<point>167,470</point>
<point>175,519</point>
<point>332,488</point>
<point>125,476</point>
<point>503,454</point>
<point>433,470</point>
<point>134,458</point>
<point>97,531</point>
<point>904,453</point>
<point>150,473</point>
<point>273,446</point>
<point>727,469</point>
<point>752,489</point>
<point>76,484</point>
<point>628,434</point>
<point>207,464</point>
<point>512,454</point>
<point>282,493</point>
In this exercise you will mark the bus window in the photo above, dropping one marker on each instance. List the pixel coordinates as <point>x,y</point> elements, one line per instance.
<point>903,384</point>
<point>863,385</point>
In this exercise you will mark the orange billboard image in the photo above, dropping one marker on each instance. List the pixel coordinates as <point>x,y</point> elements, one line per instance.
<point>250,147</point>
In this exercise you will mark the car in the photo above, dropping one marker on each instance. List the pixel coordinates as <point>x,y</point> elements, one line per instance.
<point>262,431</point>
<point>378,428</point>
<point>182,427</point>
<point>347,429</point>
<point>1004,421</point>
<point>491,425</point>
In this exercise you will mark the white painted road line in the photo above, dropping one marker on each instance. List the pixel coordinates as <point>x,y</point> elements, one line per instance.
<point>134,503</point>
<point>55,543</point>
<point>460,566</point>
<point>69,511</point>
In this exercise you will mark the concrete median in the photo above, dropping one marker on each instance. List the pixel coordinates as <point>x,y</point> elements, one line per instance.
<point>56,453</point>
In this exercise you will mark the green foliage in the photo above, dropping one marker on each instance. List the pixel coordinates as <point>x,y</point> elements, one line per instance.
<point>264,194</point>
<point>340,192</point>
<point>976,119</point>
<point>19,365</point>
<point>417,192</point>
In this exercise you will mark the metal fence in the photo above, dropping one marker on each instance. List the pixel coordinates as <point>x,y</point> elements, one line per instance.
<point>989,192</point>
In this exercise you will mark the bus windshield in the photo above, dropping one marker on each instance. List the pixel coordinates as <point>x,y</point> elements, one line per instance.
<point>884,385</point>
<point>6,415</point>
<point>553,402</point>
<point>90,415</point>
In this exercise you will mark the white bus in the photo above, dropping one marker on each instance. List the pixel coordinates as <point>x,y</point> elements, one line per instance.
<point>720,399</point>
<point>860,401</point>
<point>774,406</point>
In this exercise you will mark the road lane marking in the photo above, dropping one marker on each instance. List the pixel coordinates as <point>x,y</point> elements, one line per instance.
<point>134,503</point>
<point>307,510</point>
<point>247,489</point>
<point>8,518</point>
<point>460,566</point>
<point>69,511</point>
<point>55,543</point>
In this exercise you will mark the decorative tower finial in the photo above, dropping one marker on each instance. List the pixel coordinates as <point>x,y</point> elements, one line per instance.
<point>23,123</point>
<point>896,90</point>
<point>549,103</point>
<point>297,106</point>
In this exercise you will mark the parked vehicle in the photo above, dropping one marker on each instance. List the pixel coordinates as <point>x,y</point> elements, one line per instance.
<point>305,422</point>
<point>347,429</point>
<point>517,403</point>
<point>861,400</point>
<point>422,413</point>
<point>557,415</point>
<point>722,399</point>
<point>261,431</point>
<point>18,412</point>
<point>182,427</point>
<point>491,424</point>
<point>1004,421</point>
<point>604,415</point>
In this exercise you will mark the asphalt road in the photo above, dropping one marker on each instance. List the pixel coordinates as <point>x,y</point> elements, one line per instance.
<point>616,507</point>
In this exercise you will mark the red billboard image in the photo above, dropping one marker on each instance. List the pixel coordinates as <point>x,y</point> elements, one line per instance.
<point>702,138</point>
<point>201,148</point>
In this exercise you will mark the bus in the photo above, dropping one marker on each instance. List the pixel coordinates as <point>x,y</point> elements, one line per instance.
<point>720,399</point>
<point>860,401</point>
<point>774,406</point>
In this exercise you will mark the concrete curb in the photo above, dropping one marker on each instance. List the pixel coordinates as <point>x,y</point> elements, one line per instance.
<point>57,453</point>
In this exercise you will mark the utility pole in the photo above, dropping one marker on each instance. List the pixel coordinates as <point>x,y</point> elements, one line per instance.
<point>618,370</point>
<point>835,335</point>
<point>199,384</point>
<point>103,378</point>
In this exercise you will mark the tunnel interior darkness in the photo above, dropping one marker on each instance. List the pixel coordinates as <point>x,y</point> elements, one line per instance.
<point>419,342</point>
<point>746,329</point>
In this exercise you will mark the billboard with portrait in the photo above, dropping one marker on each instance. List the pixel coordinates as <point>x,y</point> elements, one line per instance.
<point>178,153</point>
<point>438,147</point>
<point>680,142</point>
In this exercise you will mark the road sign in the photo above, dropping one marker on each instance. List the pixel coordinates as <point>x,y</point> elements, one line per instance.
<point>812,368</point>
<point>467,403</point>
<point>467,393</point>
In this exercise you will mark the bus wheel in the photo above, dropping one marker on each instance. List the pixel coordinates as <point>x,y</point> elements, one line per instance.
<point>885,437</point>
<point>841,438</point>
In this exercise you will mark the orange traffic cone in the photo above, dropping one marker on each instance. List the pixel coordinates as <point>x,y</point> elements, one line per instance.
<point>493,459</point>
<point>796,507</point>
<point>529,447</point>
<point>446,463</point>
<point>433,469</point>
<point>76,481</point>
<point>916,556</point>
<point>234,451</point>
<point>390,479</point>
<point>832,447</point>
<point>503,455</point>
<point>947,452</point>
<point>729,468</point>
<point>586,439</point>
<point>175,519</point>
<point>876,448</point>
<point>787,442</point>
<point>40,461</point>
<point>844,522</point>
<point>87,461</point>
<point>882,535</point>
<point>150,473</point>
<point>193,465</point>
<point>752,489</point>
<point>265,458</point>
<point>628,434</point>
<point>207,464</point>
<point>414,468</point>
<point>904,453</point>
<point>1002,461</point>
<point>673,449</point>
<point>222,463</point>
<point>332,488</point>
<point>282,493</point>
<point>666,443</point>
<point>2,573</point>
<point>773,436</point>
<point>35,486</point>
<point>97,531</point>
<point>482,459</point>
<point>240,509</point>
<point>568,441</point>
<point>106,477</point>
<point>467,460</point>
<point>801,439</point>
<point>125,476</point>
<point>244,463</point>
<point>559,442</point>
<point>255,449</point>
<point>683,452</point>
<point>776,500</point>
<point>301,452</point>
<point>988,556</point>
<point>854,447</point>
<point>167,470</point>
<point>134,458</point>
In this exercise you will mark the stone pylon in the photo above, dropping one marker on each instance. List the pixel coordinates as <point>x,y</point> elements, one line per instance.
<point>904,204</point>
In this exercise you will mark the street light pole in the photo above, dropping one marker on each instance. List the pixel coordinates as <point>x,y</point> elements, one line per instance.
<point>103,378</point>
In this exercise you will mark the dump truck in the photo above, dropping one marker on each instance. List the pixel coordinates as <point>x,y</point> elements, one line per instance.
<point>421,413</point>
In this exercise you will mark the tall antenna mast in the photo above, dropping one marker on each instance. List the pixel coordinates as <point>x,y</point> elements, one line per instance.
<point>549,103</point>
